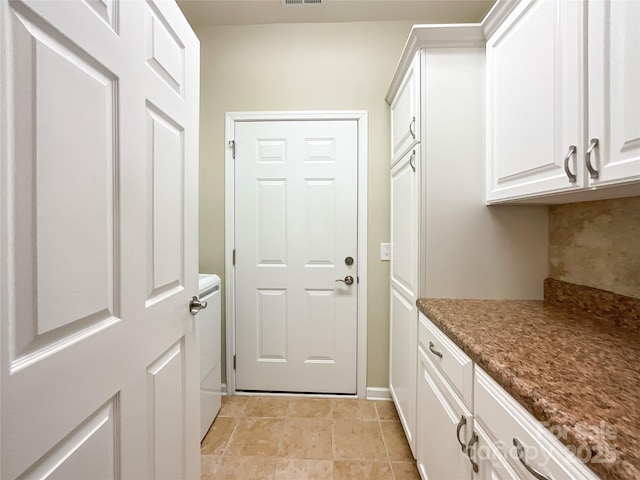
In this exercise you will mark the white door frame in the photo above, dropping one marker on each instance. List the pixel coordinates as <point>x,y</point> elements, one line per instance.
<point>360,116</point>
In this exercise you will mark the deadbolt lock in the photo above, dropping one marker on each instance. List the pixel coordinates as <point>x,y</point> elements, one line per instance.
<point>348,260</point>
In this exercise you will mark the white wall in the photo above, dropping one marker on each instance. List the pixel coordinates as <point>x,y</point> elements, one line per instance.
<point>472,251</point>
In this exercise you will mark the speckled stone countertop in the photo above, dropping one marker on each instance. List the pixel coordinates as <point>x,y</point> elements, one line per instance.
<point>573,361</point>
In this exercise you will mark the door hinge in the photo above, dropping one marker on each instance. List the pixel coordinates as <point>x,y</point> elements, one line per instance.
<point>234,257</point>
<point>232,144</point>
<point>234,362</point>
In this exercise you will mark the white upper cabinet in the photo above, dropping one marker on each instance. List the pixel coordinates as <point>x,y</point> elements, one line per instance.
<point>557,124</point>
<point>534,103</point>
<point>614,92</point>
<point>405,113</point>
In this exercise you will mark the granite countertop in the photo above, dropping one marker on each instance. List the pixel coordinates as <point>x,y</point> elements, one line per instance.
<point>573,361</point>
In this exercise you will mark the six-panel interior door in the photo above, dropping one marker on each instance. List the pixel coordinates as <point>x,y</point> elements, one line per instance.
<point>98,219</point>
<point>296,223</point>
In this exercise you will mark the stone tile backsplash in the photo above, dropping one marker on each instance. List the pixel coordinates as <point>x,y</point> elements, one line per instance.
<point>597,244</point>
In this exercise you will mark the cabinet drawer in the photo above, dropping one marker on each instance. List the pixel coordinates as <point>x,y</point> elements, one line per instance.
<point>507,422</point>
<point>451,361</point>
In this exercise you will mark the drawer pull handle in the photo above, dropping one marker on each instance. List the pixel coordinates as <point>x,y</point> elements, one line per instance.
<point>521,457</point>
<point>567,171</point>
<point>474,439</point>
<point>434,351</point>
<point>461,423</point>
<point>592,146</point>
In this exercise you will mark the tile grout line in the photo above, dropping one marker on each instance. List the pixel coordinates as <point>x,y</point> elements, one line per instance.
<point>333,442</point>
<point>384,442</point>
<point>224,450</point>
<point>333,455</point>
<point>236,422</point>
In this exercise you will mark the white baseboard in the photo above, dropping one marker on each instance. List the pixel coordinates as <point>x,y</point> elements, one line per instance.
<point>223,389</point>
<point>378,393</point>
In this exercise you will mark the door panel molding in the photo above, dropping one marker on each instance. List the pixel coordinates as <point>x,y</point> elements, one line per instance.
<point>93,144</point>
<point>95,443</point>
<point>322,152</point>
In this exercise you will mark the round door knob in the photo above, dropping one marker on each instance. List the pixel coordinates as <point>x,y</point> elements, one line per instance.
<point>348,280</point>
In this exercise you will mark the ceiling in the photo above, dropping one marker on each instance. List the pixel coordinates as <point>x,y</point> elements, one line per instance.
<point>251,12</point>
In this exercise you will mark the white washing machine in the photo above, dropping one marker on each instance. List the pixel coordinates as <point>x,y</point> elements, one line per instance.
<point>208,331</point>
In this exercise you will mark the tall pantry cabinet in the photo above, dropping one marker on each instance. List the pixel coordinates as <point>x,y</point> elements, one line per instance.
<point>404,243</point>
<point>445,241</point>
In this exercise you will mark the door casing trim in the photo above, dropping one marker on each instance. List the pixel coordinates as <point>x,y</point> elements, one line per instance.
<point>231,118</point>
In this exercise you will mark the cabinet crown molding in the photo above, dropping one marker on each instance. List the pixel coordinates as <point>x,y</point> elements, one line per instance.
<point>453,35</point>
<point>500,10</point>
<point>448,36</point>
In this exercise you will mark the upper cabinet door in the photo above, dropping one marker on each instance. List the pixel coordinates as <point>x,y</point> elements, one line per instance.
<point>404,225</point>
<point>614,92</point>
<point>534,101</point>
<point>405,113</point>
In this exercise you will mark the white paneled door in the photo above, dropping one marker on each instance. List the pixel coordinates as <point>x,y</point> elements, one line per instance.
<point>296,225</point>
<point>98,229</point>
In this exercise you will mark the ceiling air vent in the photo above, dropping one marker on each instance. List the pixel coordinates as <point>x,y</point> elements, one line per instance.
<point>302,2</point>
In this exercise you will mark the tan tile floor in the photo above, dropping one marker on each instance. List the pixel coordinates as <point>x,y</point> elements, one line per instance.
<point>283,438</point>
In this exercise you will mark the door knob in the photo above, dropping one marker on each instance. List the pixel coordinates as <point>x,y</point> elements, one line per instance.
<point>348,280</point>
<point>196,305</point>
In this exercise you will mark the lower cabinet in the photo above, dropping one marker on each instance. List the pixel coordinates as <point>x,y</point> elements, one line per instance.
<point>530,449</point>
<point>402,364</point>
<point>488,437</point>
<point>442,427</point>
<point>491,463</point>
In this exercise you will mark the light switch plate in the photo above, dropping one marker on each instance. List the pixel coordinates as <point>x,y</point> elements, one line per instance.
<point>385,251</point>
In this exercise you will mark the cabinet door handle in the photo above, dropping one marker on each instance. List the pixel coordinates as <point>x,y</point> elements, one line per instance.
<point>412,127</point>
<point>434,351</point>
<point>461,423</point>
<point>523,461</point>
<point>474,439</point>
<point>587,158</point>
<point>572,151</point>
<point>412,161</point>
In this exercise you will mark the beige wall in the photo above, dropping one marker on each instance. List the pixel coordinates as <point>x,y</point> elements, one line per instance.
<point>341,66</point>
<point>597,244</point>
